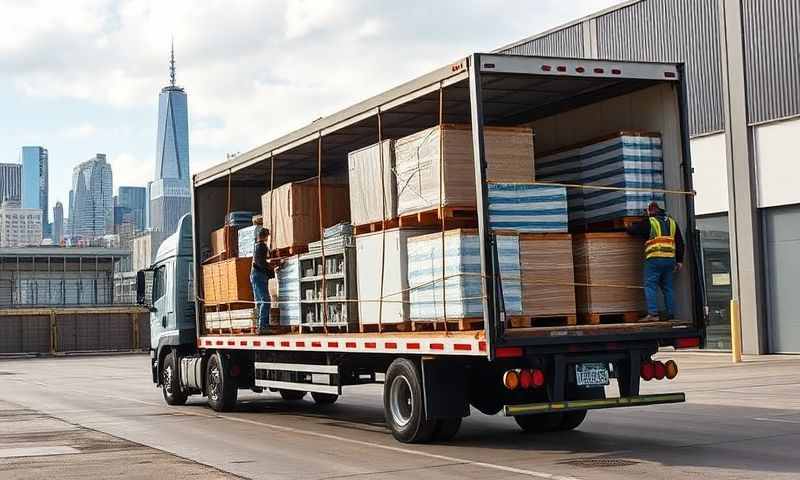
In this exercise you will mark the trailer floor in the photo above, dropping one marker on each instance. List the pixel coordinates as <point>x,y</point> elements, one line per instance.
<point>739,422</point>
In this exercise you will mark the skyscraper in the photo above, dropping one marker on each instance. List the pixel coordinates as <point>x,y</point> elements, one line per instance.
<point>169,193</point>
<point>10,180</point>
<point>92,210</point>
<point>58,224</point>
<point>135,200</point>
<point>35,181</point>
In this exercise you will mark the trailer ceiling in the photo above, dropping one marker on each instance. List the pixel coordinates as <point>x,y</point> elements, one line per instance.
<point>508,99</point>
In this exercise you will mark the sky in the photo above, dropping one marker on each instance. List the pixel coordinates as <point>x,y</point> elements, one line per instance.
<point>82,77</point>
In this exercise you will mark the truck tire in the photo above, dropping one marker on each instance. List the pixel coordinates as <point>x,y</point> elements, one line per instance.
<point>170,383</point>
<point>292,395</point>
<point>324,398</point>
<point>540,422</point>
<point>220,387</point>
<point>446,429</point>
<point>574,418</point>
<point>403,403</point>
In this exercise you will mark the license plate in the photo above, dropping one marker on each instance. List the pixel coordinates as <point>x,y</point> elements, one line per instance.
<point>591,374</point>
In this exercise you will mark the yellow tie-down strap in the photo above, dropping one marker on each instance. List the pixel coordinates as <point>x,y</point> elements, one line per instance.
<point>565,406</point>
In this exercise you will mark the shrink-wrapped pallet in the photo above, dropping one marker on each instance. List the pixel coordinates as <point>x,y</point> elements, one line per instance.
<point>369,201</point>
<point>458,288</point>
<point>547,274</point>
<point>509,156</point>
<point>294,220</point>
<point>612,264</point>
<point>227,281</point>
<point>288,276</point>
<point>527,207</point>
<point>247,240</point>
<point>623,160</point>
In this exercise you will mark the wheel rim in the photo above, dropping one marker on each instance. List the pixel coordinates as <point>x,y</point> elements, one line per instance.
<point>166,379</point>
<point>401,401</point>
<point>213,384</point>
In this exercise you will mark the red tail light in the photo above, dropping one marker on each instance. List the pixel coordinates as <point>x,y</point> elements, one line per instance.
<point>691,342</point>
<point>525,379</point>
<point>646,371</point>
<point>659,371</point>
<point>537,378</point>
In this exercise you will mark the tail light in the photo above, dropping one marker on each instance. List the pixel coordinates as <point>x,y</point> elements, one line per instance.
<point>537,378</point>
<point>525,379</point>
<point>511,380</point>
<point>672,369</point>
<point>659,370</point>
<point>646,371</point>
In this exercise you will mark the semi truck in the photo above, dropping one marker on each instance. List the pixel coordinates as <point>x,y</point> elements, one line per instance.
<point>546,378</point>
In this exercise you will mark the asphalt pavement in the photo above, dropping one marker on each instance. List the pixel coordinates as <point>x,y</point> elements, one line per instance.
<point>101,417</point>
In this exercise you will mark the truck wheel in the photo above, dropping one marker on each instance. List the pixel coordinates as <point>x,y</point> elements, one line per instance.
<point>403,403</point>
<point>324,398</point>
<point>574,418</point>
<point>170,383</point>
<point>292,395</point>
<point>220,387</point>
<point>446,429</point>
<point>540,423</point>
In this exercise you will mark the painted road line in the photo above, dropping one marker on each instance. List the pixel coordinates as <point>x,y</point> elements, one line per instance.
<point>778,420</point>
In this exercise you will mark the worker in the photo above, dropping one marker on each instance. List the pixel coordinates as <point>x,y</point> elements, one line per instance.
<point>663,253</point>
<point>260,273</point>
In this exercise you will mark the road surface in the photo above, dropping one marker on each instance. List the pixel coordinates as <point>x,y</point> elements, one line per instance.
<point>739,422</point>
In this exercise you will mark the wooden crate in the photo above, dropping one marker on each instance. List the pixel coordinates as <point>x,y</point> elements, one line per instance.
<point>227,281</point>
<point>612,264</point>
<point>294,220</point>
<point>546,265</point>
<point>224,242</point>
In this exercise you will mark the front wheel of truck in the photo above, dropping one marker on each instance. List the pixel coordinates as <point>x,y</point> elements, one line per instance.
<point>220,386</point>
<point>170,384</point>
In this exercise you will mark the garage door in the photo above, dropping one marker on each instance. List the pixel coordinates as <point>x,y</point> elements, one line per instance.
<point>783,271</point>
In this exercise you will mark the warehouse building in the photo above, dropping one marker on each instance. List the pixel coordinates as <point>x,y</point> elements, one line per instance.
<point>742,69</point>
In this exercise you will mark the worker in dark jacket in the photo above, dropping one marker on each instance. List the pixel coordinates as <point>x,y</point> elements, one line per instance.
<point>260,273</point>
<point>663,253</point>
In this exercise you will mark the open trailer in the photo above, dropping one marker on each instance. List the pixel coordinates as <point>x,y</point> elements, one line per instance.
<point>545,377</point>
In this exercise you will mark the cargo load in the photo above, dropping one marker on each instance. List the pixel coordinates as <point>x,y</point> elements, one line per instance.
<point>295,219</point>
<point>369,201</point>
<point>527,207</point>
<point>227,282</point>
<point>288,276</point>
<point>509,156</point>
<point>247,240</point>
<point>548,276</point>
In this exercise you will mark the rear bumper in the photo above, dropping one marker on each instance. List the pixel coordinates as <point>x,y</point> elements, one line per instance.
<point>566,406</point>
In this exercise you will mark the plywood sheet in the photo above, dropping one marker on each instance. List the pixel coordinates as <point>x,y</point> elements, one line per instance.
<point>547,274</point>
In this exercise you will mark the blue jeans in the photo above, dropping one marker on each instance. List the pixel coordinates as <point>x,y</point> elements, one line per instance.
<point>658,273</point>
<point>261,295</point>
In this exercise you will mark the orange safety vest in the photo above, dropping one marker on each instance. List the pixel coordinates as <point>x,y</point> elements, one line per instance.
<point>661,244</point>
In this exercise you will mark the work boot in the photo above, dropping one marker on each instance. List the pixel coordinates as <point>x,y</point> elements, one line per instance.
<point>649,318</point>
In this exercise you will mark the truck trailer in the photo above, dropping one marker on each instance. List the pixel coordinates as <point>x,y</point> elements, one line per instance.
<point>547,377</point>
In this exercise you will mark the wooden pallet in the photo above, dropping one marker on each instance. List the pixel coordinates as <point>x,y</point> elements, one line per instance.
<point>386,327</point>
<point>520,321</point>
<point>454,217</point>
<point>232,331</point>
<point>289,251</point>
<point>227,307</point>
<point>613,225</point>
<point>455,324</point>
<point>609,317</point>
<point>376,226</point>
<point>319,328</point>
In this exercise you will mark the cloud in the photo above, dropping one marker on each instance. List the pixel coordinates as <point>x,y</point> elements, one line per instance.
<point>79,131</point>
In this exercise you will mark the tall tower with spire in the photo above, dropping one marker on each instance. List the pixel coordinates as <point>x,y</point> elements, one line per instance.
<point>169,192</point>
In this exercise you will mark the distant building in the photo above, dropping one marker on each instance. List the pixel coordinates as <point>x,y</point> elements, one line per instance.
<point>169,192</point>
<point>147,218</point>
<point>10,182</point>
<point>58,224</point>
<point>133,201</point>
<point>92,209</point>
<point>19,227</point>
<point>35,186</point>
<point>145,248</point>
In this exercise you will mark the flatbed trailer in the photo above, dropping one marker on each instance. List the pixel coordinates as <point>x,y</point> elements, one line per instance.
<point>432,378</point>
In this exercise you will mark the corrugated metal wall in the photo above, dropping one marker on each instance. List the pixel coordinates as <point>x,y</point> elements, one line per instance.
<point>672,31</point>
<point>772,55</point>
<point>562,43</point>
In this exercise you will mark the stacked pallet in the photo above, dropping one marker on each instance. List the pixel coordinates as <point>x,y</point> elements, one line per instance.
<point>288,277</point>
<point>421,156</point>
<point>527,207</point>
<point>369,200</point>
<point>625,159</point>
<point>291,212</point>
<point>227,282</point>
<point>447,284</point>
<point>612,264</point>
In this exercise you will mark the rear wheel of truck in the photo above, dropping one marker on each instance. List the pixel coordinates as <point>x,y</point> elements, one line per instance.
<point>324,398</point>
<point>170,384</point>
<point>573,419</point>
<point>446,429</point>
<point>403,403</point>
<point>220,387</point>
<point>292,395</point>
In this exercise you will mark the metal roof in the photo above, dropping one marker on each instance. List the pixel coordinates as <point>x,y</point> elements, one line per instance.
<point>63,252</point>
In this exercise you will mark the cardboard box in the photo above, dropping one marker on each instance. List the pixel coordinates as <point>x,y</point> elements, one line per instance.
<point>295,218</point>
<point>548,276</point>
<point>224,242</point>
<point>369,201</point>
<point>227,281</point>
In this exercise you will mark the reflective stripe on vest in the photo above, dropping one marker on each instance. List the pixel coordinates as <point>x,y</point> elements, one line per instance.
<point>661,244</point>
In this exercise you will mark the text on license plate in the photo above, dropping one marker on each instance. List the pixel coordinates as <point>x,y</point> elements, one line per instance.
<point>591,374</point>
